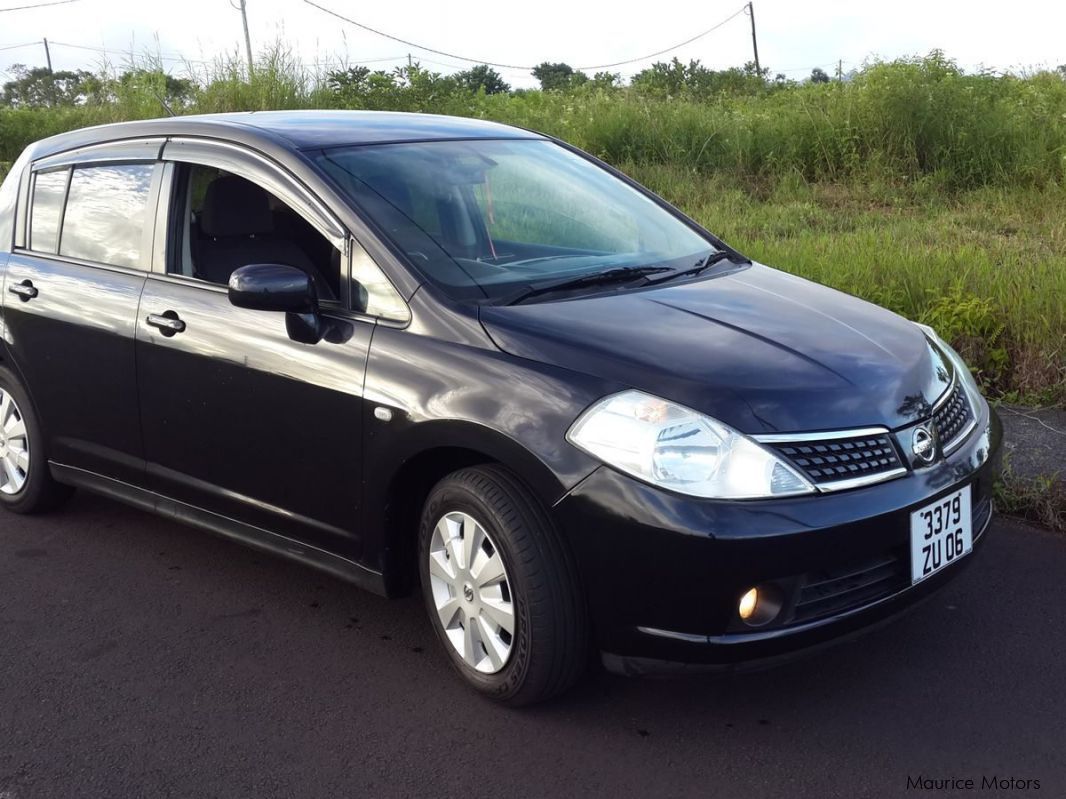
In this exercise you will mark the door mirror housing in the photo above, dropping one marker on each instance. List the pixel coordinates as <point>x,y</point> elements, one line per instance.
<point>272,287</point>
<point>277,287</point>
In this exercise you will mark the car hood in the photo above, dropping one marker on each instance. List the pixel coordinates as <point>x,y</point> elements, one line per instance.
<point>758,349</point>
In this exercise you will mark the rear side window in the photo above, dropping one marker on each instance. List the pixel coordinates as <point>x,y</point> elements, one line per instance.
<point>47,207</point>
<point>106,214</point>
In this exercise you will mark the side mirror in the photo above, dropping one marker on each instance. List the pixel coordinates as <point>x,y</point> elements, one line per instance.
<point>276,287</point>
<point>272,287</point>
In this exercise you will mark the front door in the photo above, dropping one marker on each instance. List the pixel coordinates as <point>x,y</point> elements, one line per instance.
<point>239,419</point>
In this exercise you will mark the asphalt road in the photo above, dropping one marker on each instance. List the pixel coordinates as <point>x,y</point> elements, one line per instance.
<point>142,658</point>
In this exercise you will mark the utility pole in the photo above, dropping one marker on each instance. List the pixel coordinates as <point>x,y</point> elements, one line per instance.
<point>408,60</point>
<point>48,56</point>
<point>754,41</point>
<point>840,70</point>
<point>247,38</point>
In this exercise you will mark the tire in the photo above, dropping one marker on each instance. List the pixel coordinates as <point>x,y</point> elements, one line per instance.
<point>31,489</point>
<point>548,645</point>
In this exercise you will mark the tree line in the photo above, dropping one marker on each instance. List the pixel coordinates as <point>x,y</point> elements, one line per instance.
<point>39,87</point>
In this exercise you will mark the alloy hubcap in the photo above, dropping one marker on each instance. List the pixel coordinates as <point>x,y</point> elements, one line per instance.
<point>471,592</point>
<point>14,446</point>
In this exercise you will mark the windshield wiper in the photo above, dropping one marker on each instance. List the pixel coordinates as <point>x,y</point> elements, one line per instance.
<point>621,274</point>
<point>702,264</point>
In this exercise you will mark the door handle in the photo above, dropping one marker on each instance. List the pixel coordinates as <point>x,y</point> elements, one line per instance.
<point>167,322</point>
<point>25,290</point>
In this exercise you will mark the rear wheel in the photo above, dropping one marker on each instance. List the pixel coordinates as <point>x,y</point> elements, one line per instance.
<point>26,484</point>
<point>500,587</point>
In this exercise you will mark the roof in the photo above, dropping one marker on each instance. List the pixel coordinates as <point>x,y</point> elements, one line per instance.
<point>295,129</point>
<point>330,128</point>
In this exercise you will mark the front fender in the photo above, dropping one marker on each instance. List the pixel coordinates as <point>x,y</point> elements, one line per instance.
<point>447,393</point>
<point>443,394</point>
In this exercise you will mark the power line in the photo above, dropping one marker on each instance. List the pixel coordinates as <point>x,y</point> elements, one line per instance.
<point>106,51</point>
<point>418,59</point>
<point>39,5</point>
<point>339,61</point>
<point>517,66</point>
<point>174,57</point>
<point>343,61</point>
<point>712,29</point>
<point>409,44</point>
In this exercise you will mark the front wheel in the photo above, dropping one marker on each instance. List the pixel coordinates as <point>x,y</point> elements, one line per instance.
<point>500,587</point>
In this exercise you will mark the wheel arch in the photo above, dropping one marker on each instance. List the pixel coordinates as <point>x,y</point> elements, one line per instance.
<point>438,450</point>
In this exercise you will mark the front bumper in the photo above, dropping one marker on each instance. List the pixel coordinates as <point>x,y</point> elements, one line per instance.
<point>663,573</point>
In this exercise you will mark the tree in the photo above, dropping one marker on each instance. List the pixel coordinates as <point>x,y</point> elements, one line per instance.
<point>558,76</point>
<point>482,77</point>
<point>40,88</point>
<point>818,75</point>
<point>606,80</point>
<point>348,81</point>
<point>697,81</point>
<point>406,88</point>
<point>752,70</point>
<point>173,92</point>
<point>671,79</point>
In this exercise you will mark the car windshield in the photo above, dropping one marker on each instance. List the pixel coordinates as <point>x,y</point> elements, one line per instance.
<point>486,218</point>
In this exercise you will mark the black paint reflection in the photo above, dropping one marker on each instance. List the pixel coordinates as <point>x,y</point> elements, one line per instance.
<point>104,220</point>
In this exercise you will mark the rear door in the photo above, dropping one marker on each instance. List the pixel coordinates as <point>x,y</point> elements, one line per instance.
<point>238,418</point>
<point>71,292</point>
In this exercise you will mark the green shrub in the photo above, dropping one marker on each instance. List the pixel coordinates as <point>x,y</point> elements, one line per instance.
<point>974,328</point>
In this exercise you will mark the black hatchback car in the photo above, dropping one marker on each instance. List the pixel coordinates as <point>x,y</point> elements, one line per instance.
<point>422,351</point>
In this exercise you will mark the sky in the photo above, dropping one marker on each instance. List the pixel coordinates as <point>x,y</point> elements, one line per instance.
<point>794,35</point>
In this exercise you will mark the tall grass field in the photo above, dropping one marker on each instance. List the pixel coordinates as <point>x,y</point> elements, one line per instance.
<point>939,194</point>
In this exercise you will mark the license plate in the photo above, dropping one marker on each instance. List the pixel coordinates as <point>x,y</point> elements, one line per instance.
<point>941,533</point>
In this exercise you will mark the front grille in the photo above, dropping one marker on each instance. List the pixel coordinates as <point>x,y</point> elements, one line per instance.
<point>832,459</point>
<point>826,592</point>
<point>952,416</point>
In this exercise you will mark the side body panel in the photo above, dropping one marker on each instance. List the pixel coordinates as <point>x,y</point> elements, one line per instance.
<point>73,345</point>
<point>244,422</point>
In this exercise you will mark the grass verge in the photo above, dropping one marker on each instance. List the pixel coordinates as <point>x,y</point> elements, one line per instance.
<point>986,267</point>
<point>1041,500</point>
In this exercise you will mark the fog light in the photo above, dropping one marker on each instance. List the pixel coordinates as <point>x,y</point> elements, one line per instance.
<point>760,605</point>
<point>748,603</point>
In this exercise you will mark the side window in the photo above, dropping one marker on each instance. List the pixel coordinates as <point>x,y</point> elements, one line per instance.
<point>46,208</point>
<point>106,214</point>
<point>227,222</point>
<point>373,294</point>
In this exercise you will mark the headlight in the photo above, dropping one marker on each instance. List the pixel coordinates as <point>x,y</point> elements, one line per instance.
<point>963,372</point>
<point>676,448</point>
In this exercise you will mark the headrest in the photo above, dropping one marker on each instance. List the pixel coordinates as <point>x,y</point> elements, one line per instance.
<point>235,207</point>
